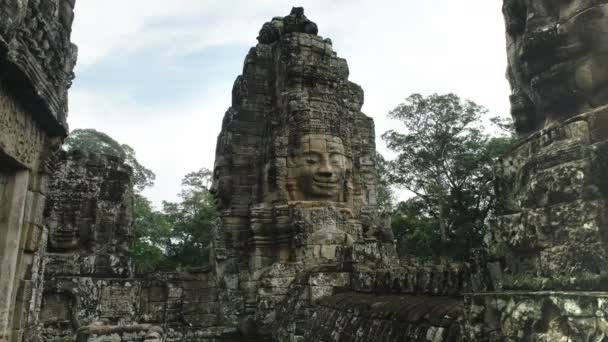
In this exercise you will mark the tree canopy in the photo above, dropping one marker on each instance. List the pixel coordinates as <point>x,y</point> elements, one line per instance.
<point>91,140</point>
<point>192,219</point>
<point>445,158</point>
<point>151,236</point>
<point>178,236</point>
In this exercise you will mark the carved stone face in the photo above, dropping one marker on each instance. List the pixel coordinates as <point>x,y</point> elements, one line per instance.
<point>557,53</point>
<point>319,167</point>
<point>64,234</point>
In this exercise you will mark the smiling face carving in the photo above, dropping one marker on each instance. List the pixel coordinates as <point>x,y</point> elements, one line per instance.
<point>319,168</point>
<point>557,52</point>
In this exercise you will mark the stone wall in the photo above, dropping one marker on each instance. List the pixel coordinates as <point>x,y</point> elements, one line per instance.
<point>547,250</point>
<point>553,196</point>
<point>418,276</point>
<point>36,62</point>
<point>359,317</point>
<point>174,306</point>
<point>89,217</point>
<point>419,300</point>
<point>90,292</point>
<point>559,316</point>
<point>547,254</point>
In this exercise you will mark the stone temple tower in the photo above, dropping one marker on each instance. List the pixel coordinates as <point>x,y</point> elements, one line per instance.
<point>294,176</point>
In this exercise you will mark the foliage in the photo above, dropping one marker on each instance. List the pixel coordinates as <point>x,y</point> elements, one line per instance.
<point>91,140</point>
<point>178,236</point>
<point>414,229</point>
<point>446,159</point>
<point>191,220</point>
<point>152,234</point>
<point>385,196</point>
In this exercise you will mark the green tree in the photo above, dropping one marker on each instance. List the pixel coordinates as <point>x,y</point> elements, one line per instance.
<point>445,159</point>
<point>191,220</point>
<point>415,228</point>
<point>152,234</point>
<point>91,140</point>
<point>180,234</point>
<point>385,196</point>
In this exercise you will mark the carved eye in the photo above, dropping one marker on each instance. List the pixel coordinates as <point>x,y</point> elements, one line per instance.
<point>336,159</point>
<point>311,161</point>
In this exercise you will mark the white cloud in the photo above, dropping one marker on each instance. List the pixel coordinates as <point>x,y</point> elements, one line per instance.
<point>394,48</point>
<point>110,27</point>
<point>171,140</point>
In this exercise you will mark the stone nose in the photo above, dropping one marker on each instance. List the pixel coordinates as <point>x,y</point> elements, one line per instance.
<point>325,169</point>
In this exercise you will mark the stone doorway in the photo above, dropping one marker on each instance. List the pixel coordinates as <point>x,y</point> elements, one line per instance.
<point>13,193</point>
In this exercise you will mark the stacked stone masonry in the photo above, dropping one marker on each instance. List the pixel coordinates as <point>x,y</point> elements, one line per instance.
<point>547,256</point>
<point>36,62</point>
<point>547,252</point>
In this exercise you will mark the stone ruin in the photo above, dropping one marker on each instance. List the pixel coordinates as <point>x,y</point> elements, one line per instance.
<point>299,241</point>
<point>89,217</point>
<point>300,250</point>
<point>295,173</point>
<point>547,249</point>
<point>36,62</point>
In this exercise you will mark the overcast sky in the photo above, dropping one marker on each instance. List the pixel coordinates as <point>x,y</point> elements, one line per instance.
<point>157,74</point>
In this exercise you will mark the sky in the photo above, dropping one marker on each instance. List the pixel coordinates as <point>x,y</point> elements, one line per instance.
<point>157,75</point>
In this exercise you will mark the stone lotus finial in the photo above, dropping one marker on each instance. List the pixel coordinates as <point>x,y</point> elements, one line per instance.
<point>296,21</point>
<point>297,11</point>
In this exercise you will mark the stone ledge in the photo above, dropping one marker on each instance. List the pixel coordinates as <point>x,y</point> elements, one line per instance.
<point>347,316</point>
<point>539,293</point>
<point>537,315</point>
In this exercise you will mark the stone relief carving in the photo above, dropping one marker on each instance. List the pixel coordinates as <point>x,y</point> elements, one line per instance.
<point>294,143</point>
<point>556,54</point>
<point>16,128</point>
<point>36,38</point>
<point>89,209</point>
<point>48,44</point>
<point>319,169</point>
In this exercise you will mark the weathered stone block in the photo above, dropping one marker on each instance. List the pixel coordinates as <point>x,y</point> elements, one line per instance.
<point>538,316</point>
<point>34,237</point>
<point>117,302</point>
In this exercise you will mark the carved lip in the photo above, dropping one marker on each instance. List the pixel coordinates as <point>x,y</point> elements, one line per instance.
<point>327,184</point>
